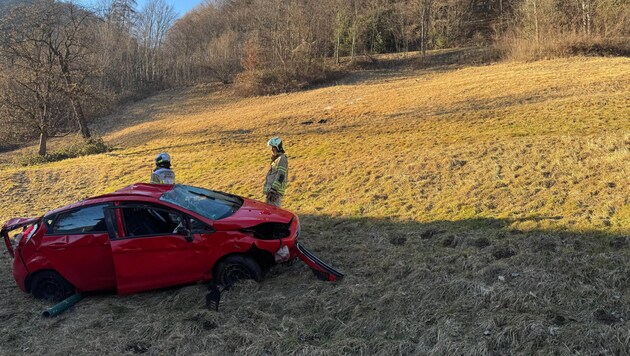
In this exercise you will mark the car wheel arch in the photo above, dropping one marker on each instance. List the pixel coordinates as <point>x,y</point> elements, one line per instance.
<point>61,280</point>
<point>29,278</point>
<point>263,258</point>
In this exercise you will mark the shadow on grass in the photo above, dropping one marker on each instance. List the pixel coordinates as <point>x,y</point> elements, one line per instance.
<point>471,287</point>
<point>475,286</point>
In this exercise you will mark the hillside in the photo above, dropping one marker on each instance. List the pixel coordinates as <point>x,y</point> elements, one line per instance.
<point>479,210</point>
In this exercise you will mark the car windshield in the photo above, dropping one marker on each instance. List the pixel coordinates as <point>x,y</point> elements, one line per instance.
<point>207,203</point>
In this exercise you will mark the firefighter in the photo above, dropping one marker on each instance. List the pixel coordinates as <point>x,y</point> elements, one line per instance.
<point>163,174</point>
<point>278,175</point>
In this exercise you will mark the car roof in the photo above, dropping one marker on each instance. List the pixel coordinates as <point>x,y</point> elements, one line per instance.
<point>141,189</point>
<point>145,190</point>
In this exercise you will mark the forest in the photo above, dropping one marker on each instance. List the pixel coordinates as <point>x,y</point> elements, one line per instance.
<point>63,65</point>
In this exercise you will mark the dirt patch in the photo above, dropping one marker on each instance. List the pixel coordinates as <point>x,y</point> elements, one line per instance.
<point>618,242</point>
<point>500,253</point>
<point>605,317</point>
<point>481,242</point>
<point>138,347</point>
<point>398,241</point>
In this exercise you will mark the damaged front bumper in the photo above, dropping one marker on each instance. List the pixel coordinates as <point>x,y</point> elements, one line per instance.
<point>321,269</point>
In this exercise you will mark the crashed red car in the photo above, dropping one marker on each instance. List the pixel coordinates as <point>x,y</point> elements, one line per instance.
<point>148,236</point>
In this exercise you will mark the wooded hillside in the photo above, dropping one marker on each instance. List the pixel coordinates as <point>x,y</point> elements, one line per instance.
<point>62,65</point>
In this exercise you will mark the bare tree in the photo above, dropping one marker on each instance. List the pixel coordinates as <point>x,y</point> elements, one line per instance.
<point>189,40</point>
<point>153,23</point>
<point>73,48</point>
<point>425,20</point>
<point>224,56</point>
<point>34,88</point>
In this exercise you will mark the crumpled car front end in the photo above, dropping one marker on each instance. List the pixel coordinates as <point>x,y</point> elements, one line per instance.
<point>292,248</point>
<point>283,240</point>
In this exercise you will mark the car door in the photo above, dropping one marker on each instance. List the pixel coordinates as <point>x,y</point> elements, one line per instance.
<point>77,245</point>
<point>155,248</point>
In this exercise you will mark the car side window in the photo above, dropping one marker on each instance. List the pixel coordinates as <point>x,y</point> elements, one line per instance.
<point>150,221</point>
<point>90,219</point>
<point>199,227</point>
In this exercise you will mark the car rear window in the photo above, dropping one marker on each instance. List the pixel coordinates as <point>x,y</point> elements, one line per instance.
<point>89,219</point>
<point>207,203</point>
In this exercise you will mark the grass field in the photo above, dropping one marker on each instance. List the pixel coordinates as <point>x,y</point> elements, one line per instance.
<point>475,210</point>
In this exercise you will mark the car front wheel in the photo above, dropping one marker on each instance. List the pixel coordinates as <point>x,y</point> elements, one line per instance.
<point>50,285</point>
<point>236,268</point>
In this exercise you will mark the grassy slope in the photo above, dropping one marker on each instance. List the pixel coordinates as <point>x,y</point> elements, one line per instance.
<point>418,185</point>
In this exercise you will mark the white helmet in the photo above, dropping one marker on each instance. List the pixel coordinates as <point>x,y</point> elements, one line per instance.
<point>275,142</point>
<point>163,159</point>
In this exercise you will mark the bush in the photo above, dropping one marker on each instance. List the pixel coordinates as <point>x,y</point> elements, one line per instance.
<point>566,46</point>
<point>85,148</point>
<point>280,80</point>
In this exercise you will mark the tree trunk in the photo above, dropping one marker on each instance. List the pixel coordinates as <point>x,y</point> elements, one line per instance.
<point>43,138</point>
<point>422,48</point>
<point>78,112</point>
<point>354,40</point>
<point>426,23</point>
<point>337,46</point>
<point>536,21</point>
<point>501,16</point>
<point>586,17</point>
<point>76,104</point>
<point>354,30</point>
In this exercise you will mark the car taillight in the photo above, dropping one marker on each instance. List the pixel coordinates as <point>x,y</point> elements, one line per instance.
<point>15,241</point>
<point>31,233</point>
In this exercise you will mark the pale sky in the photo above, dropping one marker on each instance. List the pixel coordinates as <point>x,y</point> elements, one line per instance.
<point>181,6</point>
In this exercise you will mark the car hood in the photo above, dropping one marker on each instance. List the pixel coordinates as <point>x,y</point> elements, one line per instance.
<point>252,213</point>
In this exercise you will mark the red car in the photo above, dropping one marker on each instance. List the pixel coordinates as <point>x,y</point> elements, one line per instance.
<point>148,236</point>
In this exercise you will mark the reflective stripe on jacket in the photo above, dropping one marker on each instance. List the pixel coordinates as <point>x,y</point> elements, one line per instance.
<point>278,175</point>
<point>163,176</point>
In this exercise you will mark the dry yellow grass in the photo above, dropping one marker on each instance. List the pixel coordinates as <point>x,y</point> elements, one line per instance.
<point>462,204</point>
<point>510,141</point>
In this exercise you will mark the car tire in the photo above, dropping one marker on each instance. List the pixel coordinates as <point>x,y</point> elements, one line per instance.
<point>50,285</point>
<point>236,268</point>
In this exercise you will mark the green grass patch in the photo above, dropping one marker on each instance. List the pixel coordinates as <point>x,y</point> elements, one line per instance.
<point>92,146</point>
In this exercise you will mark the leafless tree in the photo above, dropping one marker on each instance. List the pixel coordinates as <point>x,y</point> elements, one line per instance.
<point>224,56</point>
<point>37,87</point>
<point>153,23</point>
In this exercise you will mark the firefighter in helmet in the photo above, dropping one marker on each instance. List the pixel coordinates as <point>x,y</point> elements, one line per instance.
<point>163,174</point>
<point>278,174</point>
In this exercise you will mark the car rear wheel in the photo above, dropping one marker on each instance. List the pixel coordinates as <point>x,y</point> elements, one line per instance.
<point>50,285</point>
<point>236,268</point>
